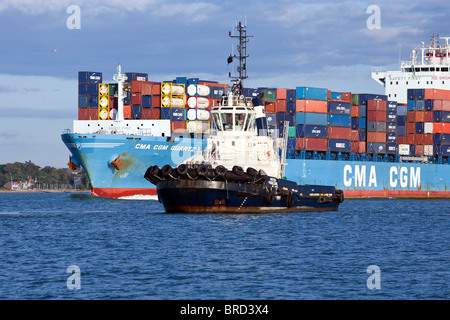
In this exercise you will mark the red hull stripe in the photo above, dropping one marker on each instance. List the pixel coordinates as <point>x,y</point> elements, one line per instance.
<point>122,192</point>
<point>395,194</point>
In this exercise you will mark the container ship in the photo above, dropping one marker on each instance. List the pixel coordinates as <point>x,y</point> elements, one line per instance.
<point>368,145</point>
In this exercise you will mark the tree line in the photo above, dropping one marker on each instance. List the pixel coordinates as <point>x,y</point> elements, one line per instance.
<point>30,176</point>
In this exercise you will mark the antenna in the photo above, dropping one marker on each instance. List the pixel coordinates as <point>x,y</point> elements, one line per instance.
<point>242,57</point>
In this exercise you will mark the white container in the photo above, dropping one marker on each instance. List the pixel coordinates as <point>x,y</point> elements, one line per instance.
<point>403,149</point>
<point>428,150</point>
<point>177,102</point>
<point>198,89</point>
<point>428,127</point>
<point>198,114</point>
<point>198,102</point>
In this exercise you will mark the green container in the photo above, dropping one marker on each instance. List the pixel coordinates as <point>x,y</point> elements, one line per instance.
<point>270,95</point>
<point>355,99</point>
<point>113,89</point>
<point>291,132</point>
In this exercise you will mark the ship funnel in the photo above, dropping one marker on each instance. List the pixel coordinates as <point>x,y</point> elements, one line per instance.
<point>261,121</point>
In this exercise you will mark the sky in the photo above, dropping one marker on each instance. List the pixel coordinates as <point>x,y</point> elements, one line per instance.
<point>328,44</point>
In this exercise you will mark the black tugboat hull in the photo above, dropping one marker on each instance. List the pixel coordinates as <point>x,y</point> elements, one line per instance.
<point>204,196</point>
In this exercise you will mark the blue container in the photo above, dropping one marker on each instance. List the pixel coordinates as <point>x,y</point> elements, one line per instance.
<point>391,148</point>
<point>146,101</point>
<point>136,76</point>
<point>271,119</point>
<point>401,110</point>
<point>291,119</point>
<point>89,77</point>
<point>339,145</point>
<point>179,80</point>
<point>290,107</point>
<point>83,101</point>
<point>363,123</point>
<point>411,94</point>
<point>300,118</point>
<point>391,127</point>
<point>291,143</point>
<point>320,119</point>
<point>136,111</point>
<point>362,111</point>
<point>391,106</point>
<point>166,113</point>
<point>355,123</point>
<point>363,97</point>
<point>339,120</point>
<point>391,116</point>
<point>177,114</point>
<point>311,93</point>
<point>217,92</point>
<point>362,135</point>
<point>420,105</point>
<point>401,131</point>
<point>336,95</point>
<point>339,108</point>
<point>93,89</point>
<point>441,139</point>
<point>401,121</point>
<point>127,99</point>
<point>193,81</point>
<point>442,150</point>
<point>411,105</point>
<point>391,137</point>
<point>312,131</point>
<point>83,89</point>
<point>420,94</point>
<point>248,92</point>
<point>280,131</point>
<point>93,101</point>
<point>280,117</point>
<point>290,95</point>
<point>419,127</point>
<point>441,116</point>
<point>376,147</point>
<point>429,104</point>
<point>299,131</point>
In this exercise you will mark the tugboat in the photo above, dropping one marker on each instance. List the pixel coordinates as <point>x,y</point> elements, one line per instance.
<point>240,171</point>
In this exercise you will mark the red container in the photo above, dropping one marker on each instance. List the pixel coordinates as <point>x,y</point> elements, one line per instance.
<point>314,144</point>
<point>83,114</point>
<point>401,140</point>
<point>347,96</point>
<point>270,107</point>
<point>156,101</point>
<point>156,88</point>
<point>419,150</point>
<point>136,97</point>
<point>376,137</point>
<point>354,146</point>
<point>214,102</point>
<point>428,116</point>
<point>441,127</point>
<point>354,135</point>
<point>410,138</point>
<point>280,106</point>
<point>376,115</point>
<point>113,102</point>
<point>355,111</point>
<point>419,116</point>
<point>437,94</point>
<point>93,114</point>
<point>362,146</point>
<point>146,113</point>
<point>178,126</point>
<point>339,133</point>
<point>316,106</point>
<point>281,94</point>
<point>410,127</point>
<point>428,138</point>
<point>419,138</point>
<point>411,116</point>
<point>374,105</point>
<point>156,113</point>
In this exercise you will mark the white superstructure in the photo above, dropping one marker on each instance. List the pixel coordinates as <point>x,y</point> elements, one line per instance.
<point>428,67</point>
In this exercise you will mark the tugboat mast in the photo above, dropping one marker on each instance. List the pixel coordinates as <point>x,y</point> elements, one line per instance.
<point>242,55</point>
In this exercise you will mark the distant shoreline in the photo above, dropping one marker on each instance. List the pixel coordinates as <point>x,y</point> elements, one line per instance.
<point>43,191</point>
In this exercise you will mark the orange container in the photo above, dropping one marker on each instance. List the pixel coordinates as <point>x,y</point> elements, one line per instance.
<point>419,116</point>
<point>270,107</point>
<point>127,111</point>
<point>339,133</point>
<point>362,147</point>
<point>280,105</point>
<point>316,106</point>
<point>437,94</point>
<point>355,111</point>
<point>281,94</point>
<point>376,136</point>
<point>441,127</point>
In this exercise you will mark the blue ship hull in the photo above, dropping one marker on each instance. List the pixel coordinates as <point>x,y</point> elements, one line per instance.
<point>97,152</point>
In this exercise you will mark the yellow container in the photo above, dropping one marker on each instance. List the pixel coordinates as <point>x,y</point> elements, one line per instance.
<point>174,89</point>
<point>103,114</point>
<point>103,89</point>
